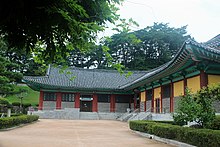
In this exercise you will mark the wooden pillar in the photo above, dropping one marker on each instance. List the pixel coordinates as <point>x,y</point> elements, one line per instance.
<point>112,103</point>
<point>203,79</point>
<point>185,84</point>
<point>59,100</point>
<point>161,99</point>
<point>95,103</point>
<point>77,100</point>
<point>152,100</point>
<point>41,100</point>
<point>135,101</point>
<point>171,96</point>
<point>145,101</point>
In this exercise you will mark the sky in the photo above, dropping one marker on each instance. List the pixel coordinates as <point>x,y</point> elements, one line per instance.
<point>201,16</point>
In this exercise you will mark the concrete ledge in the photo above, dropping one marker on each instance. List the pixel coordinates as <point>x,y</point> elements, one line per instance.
<point>164,140</point>
<point>19,126</point>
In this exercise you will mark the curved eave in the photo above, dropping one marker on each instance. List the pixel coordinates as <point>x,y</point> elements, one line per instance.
<point>189,52</point>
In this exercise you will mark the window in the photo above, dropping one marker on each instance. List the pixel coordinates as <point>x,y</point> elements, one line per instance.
<point>149,94</point>
<point>166,91</point>
<point>122,98</point>
<point>68,97</point>
<point>104,98</point>
<point>49,96</point>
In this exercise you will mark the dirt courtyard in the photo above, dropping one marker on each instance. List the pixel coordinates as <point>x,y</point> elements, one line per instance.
<point>75,133</point>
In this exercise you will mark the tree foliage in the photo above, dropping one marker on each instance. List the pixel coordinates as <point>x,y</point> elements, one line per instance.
<point>197,107</point>
<point>147,48</point>
<point>8,75</point>
<point>25,23</point>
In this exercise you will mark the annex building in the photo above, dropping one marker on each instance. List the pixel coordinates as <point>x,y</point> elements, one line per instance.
<point>96,90</point>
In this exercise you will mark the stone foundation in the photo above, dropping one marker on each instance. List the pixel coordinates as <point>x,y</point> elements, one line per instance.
<point>67,105</point>
<point>49,105</point>
<point>121,107</point>
<point>166,105</point>
<point>103,107</point>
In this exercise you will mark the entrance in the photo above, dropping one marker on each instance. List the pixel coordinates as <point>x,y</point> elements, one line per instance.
<point>86,106</point>
<point>86,103</point>
<point>157,105</point>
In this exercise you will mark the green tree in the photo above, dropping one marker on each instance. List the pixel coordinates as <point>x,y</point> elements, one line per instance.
<point>147,48</point>
<point>8,76</point>
<point>24,60</point>
<point>195,107</point>
<point>52,24</point>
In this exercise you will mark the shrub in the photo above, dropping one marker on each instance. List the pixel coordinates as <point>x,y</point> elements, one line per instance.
<point>198,137</point>
<point>26,105</point>
<point>16,104</point>
<point>215,125</point>
<point>4,102</point>
<point>8,122</point>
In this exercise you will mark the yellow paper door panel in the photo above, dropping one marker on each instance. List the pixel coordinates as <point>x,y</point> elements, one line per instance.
<point>194,84</point>
<point>157,92</point>
<point>178,88</point>
<point>143,96</point>
<point>213,79</point>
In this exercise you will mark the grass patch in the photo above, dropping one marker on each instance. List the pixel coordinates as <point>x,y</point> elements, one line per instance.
<point>32,97</point>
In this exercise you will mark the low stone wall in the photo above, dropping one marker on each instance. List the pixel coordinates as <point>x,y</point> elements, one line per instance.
<point>67,105</point>
<point>216,105</point>
<point>49,105</point>
<point>148,105</point>
<point>103,107</point>
<point>175,101</point>
<point>121,107</point>
<point>166,105</point>
<point>142,106</point>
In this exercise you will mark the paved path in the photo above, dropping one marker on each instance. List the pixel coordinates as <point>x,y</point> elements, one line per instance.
<point>75,133</point>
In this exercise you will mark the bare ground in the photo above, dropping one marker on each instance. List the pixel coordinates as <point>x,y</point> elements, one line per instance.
<point>75,133</point>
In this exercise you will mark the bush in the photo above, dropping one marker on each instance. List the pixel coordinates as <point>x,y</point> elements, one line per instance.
<point>198,137</point>
<point>215,125</point>
<point>4,102</point>
<point>8,122</point>
<point>16,104</point>
<point>26,105</point>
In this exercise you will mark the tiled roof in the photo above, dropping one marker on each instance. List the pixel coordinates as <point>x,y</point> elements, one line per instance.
<point>98,79</point>
<point>214,42</point>
<point>83,78</point>
<point>186,53</point>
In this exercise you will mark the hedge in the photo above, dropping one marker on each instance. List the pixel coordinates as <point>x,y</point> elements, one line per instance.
<point>197,137</point>
<point>8,122</point>
<point>215,125</point>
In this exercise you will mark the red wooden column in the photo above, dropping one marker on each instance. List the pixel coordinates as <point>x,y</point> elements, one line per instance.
<point>112,103</point>
<point>152,100</point>
<point>161,99</point>
<point>59,100</point>
<point>95,103</point>
<point>41,99</point>
<point>77,101</point>
<point>171,96</point>
<point>185,84</point>
<point>145,101</point>
<point>203,79</point>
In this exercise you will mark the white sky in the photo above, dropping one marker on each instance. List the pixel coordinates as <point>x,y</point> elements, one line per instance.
<point>201,16</point>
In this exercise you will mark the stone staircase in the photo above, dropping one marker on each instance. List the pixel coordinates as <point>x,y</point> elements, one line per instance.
<point>135,116</point>
<point>88,116</point>
<point>67,113</point>
<point>109,116</point>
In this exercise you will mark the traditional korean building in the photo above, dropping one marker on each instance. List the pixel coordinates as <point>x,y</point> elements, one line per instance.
<point>96,90</point>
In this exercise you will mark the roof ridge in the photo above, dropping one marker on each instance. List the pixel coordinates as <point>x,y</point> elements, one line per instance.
<point>99,70</point>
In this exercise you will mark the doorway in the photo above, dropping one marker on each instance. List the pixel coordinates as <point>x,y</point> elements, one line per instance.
<point>86,106</point>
